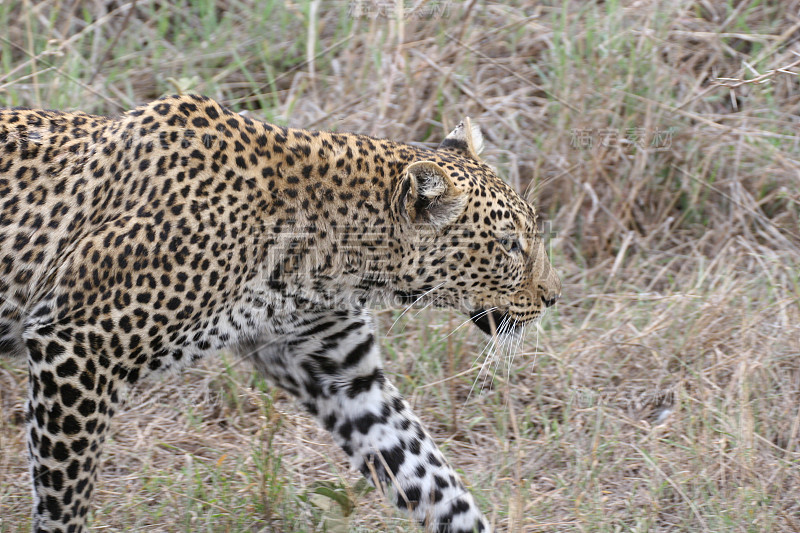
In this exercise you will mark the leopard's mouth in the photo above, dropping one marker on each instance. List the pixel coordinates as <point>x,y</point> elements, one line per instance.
<point>491,322</point>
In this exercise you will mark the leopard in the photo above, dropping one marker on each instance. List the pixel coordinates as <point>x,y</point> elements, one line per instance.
<point>139,243</point>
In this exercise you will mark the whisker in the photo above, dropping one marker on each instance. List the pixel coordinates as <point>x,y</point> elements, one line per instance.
<point>489,346</point>
<point>510,347</point>
<point>412,304</point>
<point>488,349</point>
<point>496,356</point>
<point>533,188</point>
<point>536,344</point>
<point>482,313</point>
<point>513,349</point>
<point>424,307</point>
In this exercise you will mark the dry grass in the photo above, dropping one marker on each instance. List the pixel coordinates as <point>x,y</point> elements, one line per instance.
<point>659,140</point>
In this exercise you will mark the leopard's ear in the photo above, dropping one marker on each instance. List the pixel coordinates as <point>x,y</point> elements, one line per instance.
<point>427,195</point>
<point>466,140</point>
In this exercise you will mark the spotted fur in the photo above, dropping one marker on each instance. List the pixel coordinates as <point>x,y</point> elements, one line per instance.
<point>133,244</point>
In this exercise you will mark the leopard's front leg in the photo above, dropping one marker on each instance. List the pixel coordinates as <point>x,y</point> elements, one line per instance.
<point>332,363</point>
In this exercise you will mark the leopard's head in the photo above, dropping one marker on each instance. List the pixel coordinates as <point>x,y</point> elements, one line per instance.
<point>472,241</point>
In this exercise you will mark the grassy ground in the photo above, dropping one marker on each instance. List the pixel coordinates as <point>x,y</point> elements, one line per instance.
<point>659,140</point>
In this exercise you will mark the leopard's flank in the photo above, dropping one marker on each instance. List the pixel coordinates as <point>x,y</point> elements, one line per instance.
<point>134,244</point>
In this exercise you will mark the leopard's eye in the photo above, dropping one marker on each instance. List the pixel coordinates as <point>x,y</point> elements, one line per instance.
<point>510,244</point>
